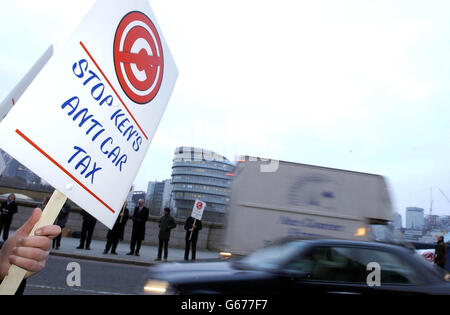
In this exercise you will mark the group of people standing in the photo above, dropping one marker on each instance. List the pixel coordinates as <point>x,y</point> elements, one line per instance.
<point>139,218</point>
<point>116,234</point>
<point>166,225</point>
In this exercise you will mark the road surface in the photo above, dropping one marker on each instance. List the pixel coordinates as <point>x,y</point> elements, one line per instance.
<point>97,278</point>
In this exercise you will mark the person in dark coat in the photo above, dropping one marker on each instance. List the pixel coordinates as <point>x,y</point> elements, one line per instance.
<point>117,231</point>
<point>193,229</point>
<point>7,210</point>
<point>166,224</point>
<point>440,252</point>
<point>87,230</point>
<point>61,221</point>
<point>140,217</point>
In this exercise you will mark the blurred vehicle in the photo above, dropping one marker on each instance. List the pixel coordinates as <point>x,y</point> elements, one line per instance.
<point>272,200</point>
<point>305,267</point>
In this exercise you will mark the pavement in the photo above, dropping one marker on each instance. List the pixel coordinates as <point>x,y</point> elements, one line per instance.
<point>146,258</point>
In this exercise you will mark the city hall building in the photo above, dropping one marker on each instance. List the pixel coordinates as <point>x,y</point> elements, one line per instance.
<point>203,175</point>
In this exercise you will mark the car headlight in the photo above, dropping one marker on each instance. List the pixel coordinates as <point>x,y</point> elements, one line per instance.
<point>156,287</point>
<point>447,277</point>
<point>225,255</point>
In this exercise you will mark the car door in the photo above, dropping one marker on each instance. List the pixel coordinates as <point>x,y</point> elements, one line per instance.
<point>397,273</point>
<point>344,270</point>
<point>325,270</point>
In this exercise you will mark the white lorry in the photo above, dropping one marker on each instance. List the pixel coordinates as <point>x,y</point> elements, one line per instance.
<point>291,200</point>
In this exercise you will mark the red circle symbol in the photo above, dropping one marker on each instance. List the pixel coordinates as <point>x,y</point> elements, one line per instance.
<point>138,57</point>
<point>199,205</point>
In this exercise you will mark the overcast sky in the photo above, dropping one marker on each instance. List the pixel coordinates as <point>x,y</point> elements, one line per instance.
<point>358,85</point>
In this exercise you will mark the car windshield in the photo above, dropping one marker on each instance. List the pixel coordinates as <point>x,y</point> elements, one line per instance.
<point>273,256</point>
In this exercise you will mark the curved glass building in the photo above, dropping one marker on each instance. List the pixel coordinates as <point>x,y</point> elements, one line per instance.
<point>203,175</point>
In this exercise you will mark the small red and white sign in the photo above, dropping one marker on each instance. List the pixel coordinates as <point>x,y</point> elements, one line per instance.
<point>199,208</point>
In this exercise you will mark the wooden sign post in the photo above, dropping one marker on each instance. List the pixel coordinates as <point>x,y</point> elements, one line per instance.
<point>16,274</point>
<point>197,213</point>
<point>193,227</point>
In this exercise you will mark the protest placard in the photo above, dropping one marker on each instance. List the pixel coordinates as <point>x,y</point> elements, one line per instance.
<point>84,125</point>
<point>197,213</point>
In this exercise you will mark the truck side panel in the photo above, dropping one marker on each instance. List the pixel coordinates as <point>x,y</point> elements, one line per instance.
<point>301,200</point>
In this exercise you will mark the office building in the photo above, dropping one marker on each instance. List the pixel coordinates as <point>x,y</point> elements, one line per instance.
<point>133,199</point>
<point>159,196</point>
<point>397,221</point>
<point>198,174</point>
<point>415,219</point>
<point>13,169</point>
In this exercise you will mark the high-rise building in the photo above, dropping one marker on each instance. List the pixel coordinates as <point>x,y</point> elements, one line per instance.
<point>397,221</point>
<point>13,169</point>
<point>167,199</point>
<point>431,221</point>
<point>133,199</point>
<point>443,222</point>
<point>203,175</point>
<point>415,218</point>
<point>159,196</point>
<point>150,191</point>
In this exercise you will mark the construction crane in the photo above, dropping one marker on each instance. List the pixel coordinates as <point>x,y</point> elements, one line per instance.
<point>444,195</point>
<point>431,203</point>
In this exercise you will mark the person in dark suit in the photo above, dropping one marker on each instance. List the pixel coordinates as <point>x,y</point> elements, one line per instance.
<point>7,210</point>
<point>117,231</point>
<point>193,229</point>
<point>440,252</point>
<point>140,217</point>
<point>61,221</point>
<point>166,224</point>
<point>87,230</point>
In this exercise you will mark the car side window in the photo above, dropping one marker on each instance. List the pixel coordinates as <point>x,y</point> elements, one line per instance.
<point>393,270</point>
<point>327,264</point>
<point>349,264</point>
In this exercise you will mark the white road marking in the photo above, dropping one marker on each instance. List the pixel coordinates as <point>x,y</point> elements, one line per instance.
<point>73,289</point>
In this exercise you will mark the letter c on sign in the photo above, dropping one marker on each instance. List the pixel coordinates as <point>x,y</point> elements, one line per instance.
<point>103,144</point>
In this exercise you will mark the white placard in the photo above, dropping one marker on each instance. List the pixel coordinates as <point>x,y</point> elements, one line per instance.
<point>197,211</point>
<point>84,125</point>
